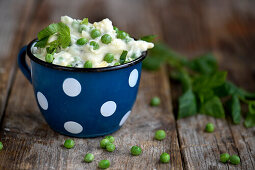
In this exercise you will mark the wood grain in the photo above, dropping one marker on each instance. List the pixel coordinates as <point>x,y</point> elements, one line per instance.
<point>13,18</point>
<point>31,144</point>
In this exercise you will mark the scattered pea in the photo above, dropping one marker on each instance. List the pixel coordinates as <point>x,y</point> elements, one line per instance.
<point>110,138</point>
<point>110,147</point>
<point>209,128</point>
<point>160,134</point>
<point>224,157</point>
<point>106,39</point>
<point>1,145</point>
<point>81,41</point>
<point>89,157</point>
<point>136,150</point>
<point>109,57</point>
<point>95,33</point>
<point>122,35</point>
<point>88,64</point>
<point>49,58</point>
<point>155,101</point>
<point>94,44</point>
<point>104,164</point>
<point>234,159</point>
<point>103,143</point>
<point>117,63</point>
<point>69,143</point>
<point>164,157</point>
<point>82,27</point>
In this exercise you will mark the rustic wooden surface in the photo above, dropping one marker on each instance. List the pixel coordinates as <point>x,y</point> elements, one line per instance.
<point>226,28</point>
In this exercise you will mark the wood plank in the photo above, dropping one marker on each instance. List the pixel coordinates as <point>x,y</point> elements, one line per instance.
<point>13,18</point>
<point>30,143</point>
<point>225,28</point>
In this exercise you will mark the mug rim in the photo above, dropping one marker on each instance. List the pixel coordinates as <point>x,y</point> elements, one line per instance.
<point>75,69</point>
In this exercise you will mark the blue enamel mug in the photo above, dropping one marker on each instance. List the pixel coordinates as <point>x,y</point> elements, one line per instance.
<point>82,102</point>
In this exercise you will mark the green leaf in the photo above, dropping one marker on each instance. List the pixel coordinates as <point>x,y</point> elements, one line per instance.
<point>251,107</point>
<point>148,38</point>
<point>187,105</point>
<point>249,120</point>
<point>123,56</point>
<point>213,107</point>
<point>85,21</point>
<point>42,43</point>
<point>205,64</point>
<point>62,32</point>
<point>204,82</point>
<point>234,108</point>
<point>152,63</point>
<point>184,78</point>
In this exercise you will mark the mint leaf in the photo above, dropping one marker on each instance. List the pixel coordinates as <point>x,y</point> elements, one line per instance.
<point>213,107</point>
<point>148,38</point>
<point>234,108</point>
<point>205,64</point>
<point>184,78</point>
<point>152,63</point>
<point>249,120</point>
<point>62,32</point>
<point>209,81</point>
<point>187,104</point>
<point>85,21</point>
<point>251,106</point>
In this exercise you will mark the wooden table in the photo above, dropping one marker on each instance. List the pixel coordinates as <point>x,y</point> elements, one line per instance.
<point>226,28</point>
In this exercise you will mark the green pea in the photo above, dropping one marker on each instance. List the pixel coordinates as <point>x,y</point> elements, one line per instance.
<point>155,101</point>
<point>81,41</point>
<point>234,159</point>
<point>224,157</point>
<point>94,44</point>
<point>75,24</point>
<point>69,143</point>
<point>89,157</point>
<point>110,138</point>
<point>1,145</point>
<point>123,56</point>
<point>110,147</point>
<point>209,127</point>
<point>49,58</point>
<point>103,143</point>
<point>122,35</point>
<point>136,150</point>
<point>117,63</point>
<point>88,64</point>
<point>106,39</point>
<point>95,33</point>
<point>109,57</point>
<point>116,29</point>
<point>104,164</point>
<point>164,157</point>
<point>82,27</point>
<point>160,134</point>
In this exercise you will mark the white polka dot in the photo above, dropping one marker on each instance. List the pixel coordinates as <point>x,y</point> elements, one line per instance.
<point>108,108</point>
<point>133,77</point>
<point>73,127</point>
<point>42,101</point>
<point>71,87</point>
<point>123,120</point>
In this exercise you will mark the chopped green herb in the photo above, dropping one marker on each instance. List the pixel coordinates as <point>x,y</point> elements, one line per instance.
<point>123,56</point>
<point>85,21</point>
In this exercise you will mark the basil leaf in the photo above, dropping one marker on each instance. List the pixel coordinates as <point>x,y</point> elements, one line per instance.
<point>233,106</point>
<point>187,105</point>
<point>213,107</point>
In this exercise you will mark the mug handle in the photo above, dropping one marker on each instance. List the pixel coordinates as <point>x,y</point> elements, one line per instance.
<point>23,64</point>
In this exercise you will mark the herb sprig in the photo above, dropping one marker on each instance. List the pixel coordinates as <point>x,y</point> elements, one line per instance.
<point>62,32</point>
<point>203,85</point>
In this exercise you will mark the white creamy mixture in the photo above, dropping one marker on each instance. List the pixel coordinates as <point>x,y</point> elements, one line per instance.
<point>76,55</point>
